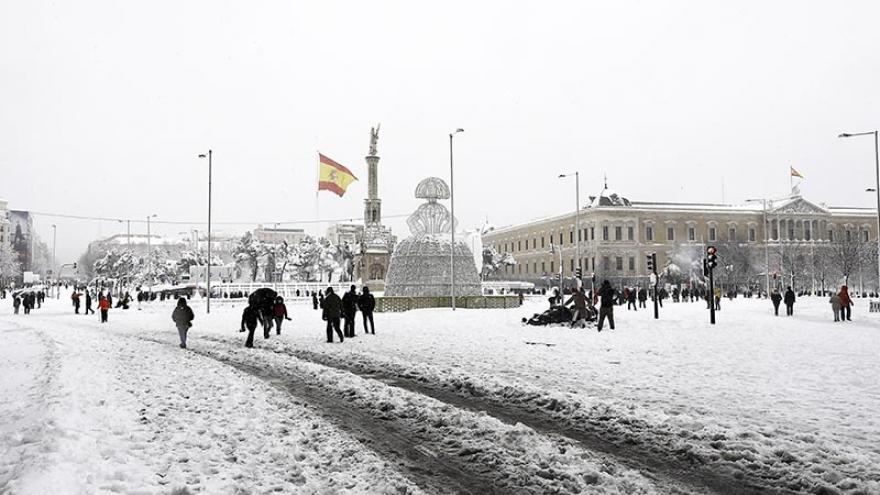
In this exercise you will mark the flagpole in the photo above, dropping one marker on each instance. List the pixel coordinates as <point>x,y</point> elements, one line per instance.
<point>317,191</point>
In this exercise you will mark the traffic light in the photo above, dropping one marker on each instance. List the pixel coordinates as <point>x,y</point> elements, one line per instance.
<point>74,265</point>
<point>579,272</point>
<point>711,257</point>
<point>652,263</point>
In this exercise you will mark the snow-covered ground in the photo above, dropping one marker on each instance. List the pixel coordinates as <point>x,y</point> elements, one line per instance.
<point>441,402</point>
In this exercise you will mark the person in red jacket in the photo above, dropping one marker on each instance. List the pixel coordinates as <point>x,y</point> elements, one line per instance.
<point>279,311</point>
<point>846,303</point>
<point>104,306</point>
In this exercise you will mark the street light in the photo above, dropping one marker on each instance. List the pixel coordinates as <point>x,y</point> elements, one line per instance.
<point>208,303</point>
<point>766,242</point>
<point>577,211</point>
<point>54,275</point>
<point>452,206</point>
<point>876,188</point>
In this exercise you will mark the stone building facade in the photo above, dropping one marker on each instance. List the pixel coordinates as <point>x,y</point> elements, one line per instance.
<point>616,235</point>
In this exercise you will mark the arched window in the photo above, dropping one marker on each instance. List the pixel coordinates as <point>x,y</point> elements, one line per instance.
<point>377,272</point>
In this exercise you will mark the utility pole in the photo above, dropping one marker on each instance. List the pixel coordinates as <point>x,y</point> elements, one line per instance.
<point>452,213</point>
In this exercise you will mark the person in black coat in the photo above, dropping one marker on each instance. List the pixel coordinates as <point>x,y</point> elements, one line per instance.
<point>182,317</point>
<point>314,300</point>
<point>367,303</point>
<point>249,319</point>
<point>643,296</point>
<point>331,312</point>
<point>789,301</point>
<point>349,308</point>
<point>775,298</point>
<point>607,297</point>
<point>88,303</point>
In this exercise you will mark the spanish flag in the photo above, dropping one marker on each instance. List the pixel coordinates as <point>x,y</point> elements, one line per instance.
<point>332,176</point>
<point>795,173</point>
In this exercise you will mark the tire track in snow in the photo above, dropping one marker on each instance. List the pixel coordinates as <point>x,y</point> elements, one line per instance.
<point>663,468</point>
<point>429,469</point>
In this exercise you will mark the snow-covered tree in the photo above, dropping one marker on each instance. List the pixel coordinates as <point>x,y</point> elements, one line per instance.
<point>116,264</point>
<point>189,258</point>
<point>329,259</point>
<point>248,251</point>
<point>305,259</point>
<point>10,268</point>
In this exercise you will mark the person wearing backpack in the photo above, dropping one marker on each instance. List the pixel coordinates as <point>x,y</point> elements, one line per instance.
<point>182,317</point>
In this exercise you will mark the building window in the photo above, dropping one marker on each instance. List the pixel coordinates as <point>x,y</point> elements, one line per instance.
<point>519,245</point>
<point>580,238</point>
<point>731,234</point>
<point>790,230</point>
<point>542,242</point>
<point>692,234</point>
<point>670,234</point>
<point>535,268</point>
<point>751,234</point>
<point>848,236</point>
<point>775,232</point>
<point>534,242</point>
<point>649,233</point>
<point>606,263</point>
<point>552,267</point>
<point>712,236</point>
<point>618,262</point>
<point>632,263</point>
<point>808,230</point>
<point>543,266</point>
<point>593,263</point>
<point>865,235</point>
<point>560,238</point>
<point>618,233</point>
<point>519,268</point>
<point>830,235</point>
<point>527,268</point>
<point>630,233</point>
<point>571,237</point>
<point>592,233</point>
<point>605,233</point>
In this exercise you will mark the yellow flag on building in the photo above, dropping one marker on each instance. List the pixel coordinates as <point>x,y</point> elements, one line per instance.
<point>332,176</point>
<point>795,173</point>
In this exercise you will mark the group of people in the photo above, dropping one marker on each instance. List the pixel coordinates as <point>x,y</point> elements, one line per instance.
<point>334,308</point>
<point>105,302</point>
<point>584,307</point>
<point>28,300</point>
<point>841,303</point>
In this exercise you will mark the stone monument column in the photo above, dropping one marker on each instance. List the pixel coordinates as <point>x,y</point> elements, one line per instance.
<point>372,205</point>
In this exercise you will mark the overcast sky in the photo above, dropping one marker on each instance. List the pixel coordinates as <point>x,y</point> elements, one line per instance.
<point>104,106</point>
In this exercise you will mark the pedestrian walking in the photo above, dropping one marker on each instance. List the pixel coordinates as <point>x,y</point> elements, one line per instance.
<point>28,302</point>
<point>279,311</point>
<point>643,296</point>
<point>717,298</point>
<point>249,319</point>
<point>88,303</point>
<point>789,299</point>
<point>776,299</point>
<point>607,295</point>
<point>367,304</point>
<point>314,300</point>
<point>331,312</point>
<point>579,298</point>
<point>835,305</point>
<point>631,300</point>
<point>74,299</point>
<point>349,309</point>
<point>16,303</point>
<point>846,303</point>
<point>104,307</point>
<point>182,317</point>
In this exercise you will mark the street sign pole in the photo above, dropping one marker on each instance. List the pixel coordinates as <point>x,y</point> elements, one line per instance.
<point>656,280</point>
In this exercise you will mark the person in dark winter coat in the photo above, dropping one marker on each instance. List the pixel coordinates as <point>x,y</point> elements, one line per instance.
<point>331,312</point>
<point>314,300</point>
<point>182,317</point>
<point>775,298</point>
<point>631,300</point>
<point>88,303</point>
<point>789,301</point>
<point>349,309</point>
<point>75,299</point>
<point>16,302</point>
<point>249,319</point>
<point>279,311</point>
<point>846,303</point>
<point>580,308</point>
<point>643,296</point>
<point>607,296</point>
<point>367,303</point>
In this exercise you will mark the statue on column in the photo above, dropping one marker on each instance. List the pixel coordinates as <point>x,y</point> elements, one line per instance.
<point>374,138</point>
